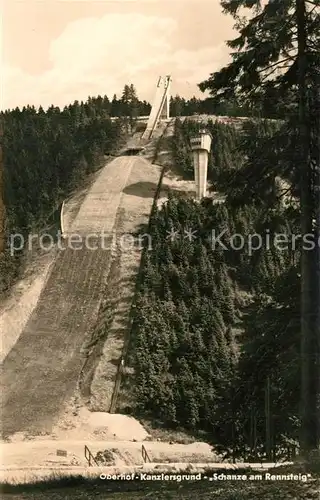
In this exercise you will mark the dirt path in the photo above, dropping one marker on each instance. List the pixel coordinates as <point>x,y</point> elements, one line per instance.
<point>27,461</point>
<point>120,435</point>
<point>43,453</point>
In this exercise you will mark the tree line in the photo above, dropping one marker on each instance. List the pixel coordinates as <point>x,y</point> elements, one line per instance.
<point>128,104</point>
<point>47,154</point>
<point>179,106</point>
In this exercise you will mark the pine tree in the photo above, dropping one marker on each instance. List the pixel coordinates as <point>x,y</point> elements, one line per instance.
<point>115,107</point>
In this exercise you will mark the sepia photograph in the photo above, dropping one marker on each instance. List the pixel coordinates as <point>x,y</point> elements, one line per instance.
<point>160,249</point>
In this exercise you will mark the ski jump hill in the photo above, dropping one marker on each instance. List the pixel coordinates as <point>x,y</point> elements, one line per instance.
<point>64,350</point>
<point>42,369</point>
<point>49,363</point>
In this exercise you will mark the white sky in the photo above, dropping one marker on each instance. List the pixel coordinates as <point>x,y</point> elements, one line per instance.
<point>56,51</point>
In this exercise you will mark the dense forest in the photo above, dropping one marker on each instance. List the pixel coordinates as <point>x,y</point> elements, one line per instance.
<point>228,341</point>
<point>56,149</point>
<point>192,369</point>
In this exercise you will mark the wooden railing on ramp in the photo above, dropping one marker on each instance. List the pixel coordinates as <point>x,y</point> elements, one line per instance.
<point>145,455</point>
<point>89,457</point>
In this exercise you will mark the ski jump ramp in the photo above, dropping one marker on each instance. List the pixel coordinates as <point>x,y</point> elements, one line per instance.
<point>161,106</point>
<point>41,372</point>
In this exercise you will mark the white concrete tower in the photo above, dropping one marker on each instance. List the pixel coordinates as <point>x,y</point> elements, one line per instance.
<point>200,145</point>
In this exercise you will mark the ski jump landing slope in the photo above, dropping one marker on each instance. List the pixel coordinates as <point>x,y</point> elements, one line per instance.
<point>41,371</point>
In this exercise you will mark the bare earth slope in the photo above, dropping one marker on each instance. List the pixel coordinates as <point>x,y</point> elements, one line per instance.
<point>16,309</point>
<point>42,369</point>
<point>136,203</point>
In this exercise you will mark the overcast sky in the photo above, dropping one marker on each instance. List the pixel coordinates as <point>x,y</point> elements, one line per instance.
<point>56,51</point>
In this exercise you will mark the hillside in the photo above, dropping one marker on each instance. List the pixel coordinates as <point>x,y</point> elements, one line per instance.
<point>73,340</point>
<point>94,290</point>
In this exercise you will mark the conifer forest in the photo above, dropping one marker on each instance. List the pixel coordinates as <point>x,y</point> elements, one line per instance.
<point>228,341</point>
<point>215,325</point>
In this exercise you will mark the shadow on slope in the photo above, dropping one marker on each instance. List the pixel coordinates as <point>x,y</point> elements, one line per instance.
<point>141,189</point>
<point>148,189</point>
<point>131,151</point>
